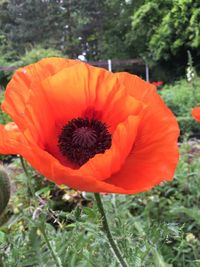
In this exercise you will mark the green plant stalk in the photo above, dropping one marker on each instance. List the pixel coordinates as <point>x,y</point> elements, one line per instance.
<point>106,230</point>
<point>42,230</point>
<point>57,262</point>
<point>3,120</point>
<point>4,195</point>
<point>29,186</point>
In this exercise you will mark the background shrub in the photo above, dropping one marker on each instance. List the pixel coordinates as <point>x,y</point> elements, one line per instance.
<point>30,56</point>
<point>35,54</point>
<point>181,97</point>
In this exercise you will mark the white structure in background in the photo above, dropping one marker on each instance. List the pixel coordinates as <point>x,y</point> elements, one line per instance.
<point>82,58</point>
<point>146,69</point>
<point>147,72</point>
<point>109,65</point>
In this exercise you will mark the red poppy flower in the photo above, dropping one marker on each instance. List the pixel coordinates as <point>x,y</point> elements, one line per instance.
<point>89,128</point>
<point>196,113</point>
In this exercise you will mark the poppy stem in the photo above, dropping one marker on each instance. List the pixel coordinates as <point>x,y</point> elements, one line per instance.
<point>106,230</point>
<point>42,229</point>
<point>24,167</point>
<point>57,261</point>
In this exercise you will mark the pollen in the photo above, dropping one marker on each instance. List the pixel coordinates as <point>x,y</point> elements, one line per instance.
<point>83,138</point>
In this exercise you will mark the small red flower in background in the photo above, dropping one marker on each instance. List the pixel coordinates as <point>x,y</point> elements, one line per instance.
<point>196,113</point>
<point>88,128</point>
<point>158,83</point>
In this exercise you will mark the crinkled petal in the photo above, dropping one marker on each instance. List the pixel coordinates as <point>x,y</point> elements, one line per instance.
<point>11,139</point>
<point>104,165</point>
<point>155,153</point>
<point>51,168</point>
<point>13,142</point>
<point>74,90</point>
<point>25,101</point>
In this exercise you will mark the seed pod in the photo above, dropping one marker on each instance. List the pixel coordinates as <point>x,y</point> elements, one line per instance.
<point>4,189</point>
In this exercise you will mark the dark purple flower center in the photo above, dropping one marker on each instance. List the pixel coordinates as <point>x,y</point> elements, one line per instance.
<point>83,138</point>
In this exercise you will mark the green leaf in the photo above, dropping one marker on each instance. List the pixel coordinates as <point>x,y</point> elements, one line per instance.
<point>193,213</point>
<point>158,259</point>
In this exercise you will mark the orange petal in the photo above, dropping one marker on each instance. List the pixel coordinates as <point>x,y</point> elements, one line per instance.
<point>91,87</point>
<point>83,179</point>
<point>42,97</point>
<point>24,100</point>
<point>72,91</point>
<point>155,154</point>
<point>11,139</point>
<point>104,165</point>
<point>13,142</point>
<point>41,107</point>
<point>196,113</point>
<point>50,167</point>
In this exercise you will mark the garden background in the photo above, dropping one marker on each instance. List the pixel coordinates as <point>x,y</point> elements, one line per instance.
<point>159,228</point>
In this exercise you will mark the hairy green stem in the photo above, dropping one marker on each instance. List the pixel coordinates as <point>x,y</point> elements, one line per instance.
<point>106,230</point>
<point>4,122</point>
<point>54,256</point>
<point>24,167</point>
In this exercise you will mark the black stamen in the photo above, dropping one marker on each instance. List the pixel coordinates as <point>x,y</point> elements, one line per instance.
<point>83,138</point>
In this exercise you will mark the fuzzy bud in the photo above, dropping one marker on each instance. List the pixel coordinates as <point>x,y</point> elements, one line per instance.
<point>4,189</point>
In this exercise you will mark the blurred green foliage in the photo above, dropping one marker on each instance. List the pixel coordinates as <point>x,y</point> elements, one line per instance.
<point>4,118</point>
<point>173,34</point>
<point>160,32</point>
<point>181,97</point>
<point>35,54</point>
<point>30,56</point>
<point>171,28</point>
